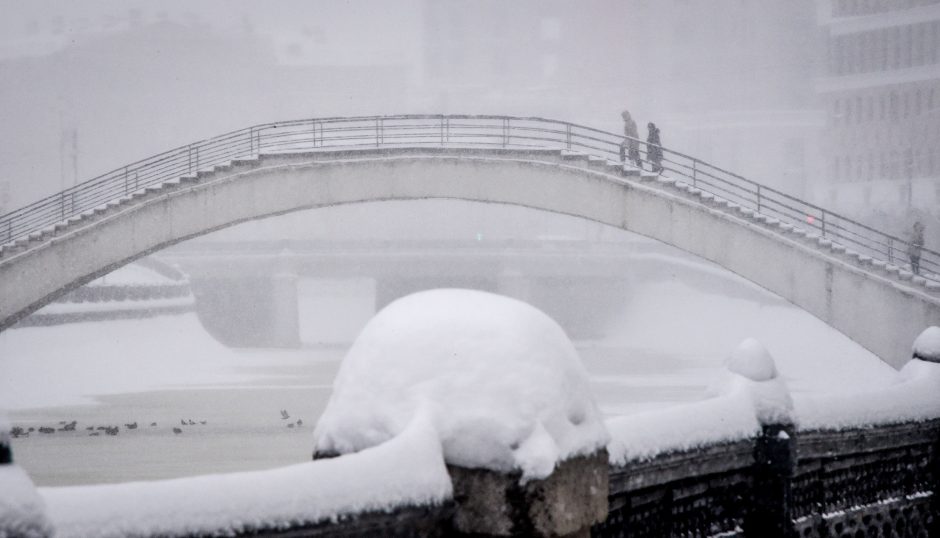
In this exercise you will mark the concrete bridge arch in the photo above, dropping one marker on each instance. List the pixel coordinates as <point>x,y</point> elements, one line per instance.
<point>877,311</point>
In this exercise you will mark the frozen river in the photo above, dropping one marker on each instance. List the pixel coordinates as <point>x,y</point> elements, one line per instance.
<point>665,348</point>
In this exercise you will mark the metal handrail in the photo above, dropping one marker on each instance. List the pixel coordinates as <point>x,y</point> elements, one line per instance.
<point>462,131</point>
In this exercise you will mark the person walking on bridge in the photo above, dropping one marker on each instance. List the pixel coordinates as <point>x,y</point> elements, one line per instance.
<point>916,246</point>
<point>654,148</point>
<point>630,147</point>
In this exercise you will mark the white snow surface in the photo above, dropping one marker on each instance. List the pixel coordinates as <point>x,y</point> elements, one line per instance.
<point>913,396</point>
<point>22,511</point>
<point>407,470</point>
<point>503,383</point>
<point>67,364</point>
<point>132,274</point>
<point>116,306</point>
<point>927,344</point>
<point>738,406</point>
<point>646,434</point>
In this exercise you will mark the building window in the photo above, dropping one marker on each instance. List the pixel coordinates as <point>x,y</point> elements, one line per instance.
<point>906,46</point>
<point>918,52</point>
<point>895,44</point>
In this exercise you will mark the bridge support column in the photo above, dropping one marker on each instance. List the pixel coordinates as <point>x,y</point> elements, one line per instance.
<point>285,326</point>
<point>250,311</point>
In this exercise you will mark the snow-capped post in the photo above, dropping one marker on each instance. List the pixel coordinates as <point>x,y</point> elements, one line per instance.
<point>503,389</point>
<point>775,448</point>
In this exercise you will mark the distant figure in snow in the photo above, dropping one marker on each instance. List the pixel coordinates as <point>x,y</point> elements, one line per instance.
<point>654,149</point>
<point>630,147</point>
<point>916,246</point>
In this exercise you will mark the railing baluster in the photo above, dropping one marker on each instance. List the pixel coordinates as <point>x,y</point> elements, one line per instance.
<point>758,199</point>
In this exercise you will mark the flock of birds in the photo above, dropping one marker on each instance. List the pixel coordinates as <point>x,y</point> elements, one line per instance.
<point>94,431</point>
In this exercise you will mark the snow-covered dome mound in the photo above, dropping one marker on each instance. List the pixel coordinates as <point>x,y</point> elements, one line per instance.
<point>927,345</point>
<point>504,386</point>
<point>753,361</point>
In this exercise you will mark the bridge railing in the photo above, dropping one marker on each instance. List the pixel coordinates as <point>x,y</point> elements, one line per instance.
<point>454,131</point>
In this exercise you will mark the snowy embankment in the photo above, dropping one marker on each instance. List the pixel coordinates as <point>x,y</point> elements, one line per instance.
<point>752,394</point>
<point>913,396</point>
<point>408,470</point>
<point>749,394</point>
<point>441,377</point>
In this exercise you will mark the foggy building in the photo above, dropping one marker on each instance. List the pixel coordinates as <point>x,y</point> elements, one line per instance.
<point>882,92</point>
<point>731,82</point>
<point>549,58</point>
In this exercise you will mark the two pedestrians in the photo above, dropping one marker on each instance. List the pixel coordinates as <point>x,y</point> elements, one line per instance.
<point>630,147</point>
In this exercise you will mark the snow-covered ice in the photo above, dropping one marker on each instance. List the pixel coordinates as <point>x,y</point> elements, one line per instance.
<point>504,385</point>
<point>66,364</point>
<point>407,470</point>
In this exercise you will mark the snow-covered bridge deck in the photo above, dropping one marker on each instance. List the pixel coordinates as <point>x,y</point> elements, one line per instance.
<point>841,271</point>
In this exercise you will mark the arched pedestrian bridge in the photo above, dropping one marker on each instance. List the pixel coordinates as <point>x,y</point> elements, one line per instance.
<point>849,275</point>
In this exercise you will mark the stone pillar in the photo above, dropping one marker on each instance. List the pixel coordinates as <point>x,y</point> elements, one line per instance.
<point>768,515</point>
<point>774,466</point>
<point>565,504</point>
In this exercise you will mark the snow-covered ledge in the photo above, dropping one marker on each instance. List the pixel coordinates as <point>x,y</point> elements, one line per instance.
<point>748,397</point>
<point>507,396</point>
<point>914,397</point>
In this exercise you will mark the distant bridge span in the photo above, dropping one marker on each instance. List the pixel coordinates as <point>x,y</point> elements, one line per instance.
<point>846,274</point>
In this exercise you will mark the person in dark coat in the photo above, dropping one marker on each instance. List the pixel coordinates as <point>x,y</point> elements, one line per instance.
<point>630,147</point>
<point>916,246</point>
<point>654,149</point>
